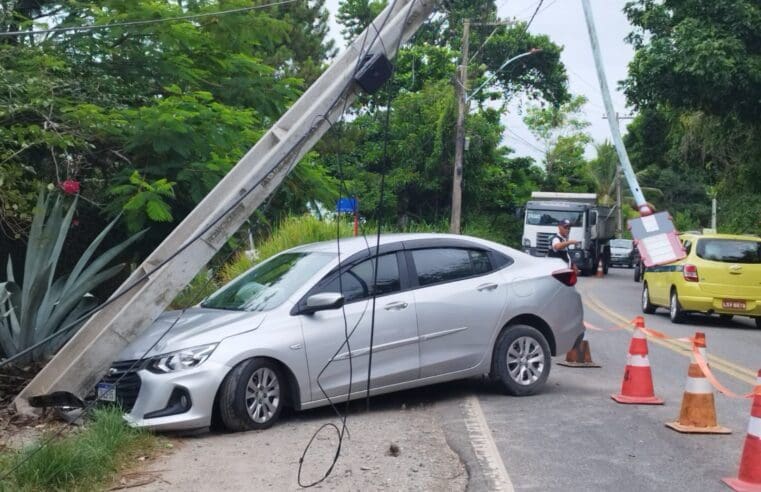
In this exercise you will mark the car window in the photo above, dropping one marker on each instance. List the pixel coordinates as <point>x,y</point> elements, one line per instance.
<point>553,217</point>
<point>357,282</point>
<point>729,250</point>
<point>437,265</point>
<point>687,245</point>
<point>270,283</point>
<point>622,243</point>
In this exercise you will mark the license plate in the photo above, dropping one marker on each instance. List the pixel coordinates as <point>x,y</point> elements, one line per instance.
<point>732,304</point>
<point>106,392</point>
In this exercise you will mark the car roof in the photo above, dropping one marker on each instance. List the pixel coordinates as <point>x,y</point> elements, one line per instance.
<point>694,236</point>
<point>352,245</point>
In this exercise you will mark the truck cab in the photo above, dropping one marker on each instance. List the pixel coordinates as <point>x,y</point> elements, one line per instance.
<point>591,224</point>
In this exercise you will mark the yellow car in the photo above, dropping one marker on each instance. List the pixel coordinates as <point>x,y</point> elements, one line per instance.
<point>721,274</point>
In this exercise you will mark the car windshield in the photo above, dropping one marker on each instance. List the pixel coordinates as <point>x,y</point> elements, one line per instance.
<point>552,217</point>
<point>269,284</point>
<point>621,243</point>
<point>730,250</point>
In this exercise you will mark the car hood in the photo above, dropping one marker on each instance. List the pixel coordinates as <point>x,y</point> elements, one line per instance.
<point>196,326</point>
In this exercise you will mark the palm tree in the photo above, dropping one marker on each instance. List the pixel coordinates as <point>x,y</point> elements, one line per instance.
<point>604,170</point>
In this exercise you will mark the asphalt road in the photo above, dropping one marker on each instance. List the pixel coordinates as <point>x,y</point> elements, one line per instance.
<point>573,436</point>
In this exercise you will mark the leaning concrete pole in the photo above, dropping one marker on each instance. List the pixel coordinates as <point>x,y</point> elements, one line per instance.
<point>623,157</point>
<point>85,358</point>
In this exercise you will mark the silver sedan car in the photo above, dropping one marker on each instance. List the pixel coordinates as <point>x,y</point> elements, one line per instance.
<point>445,307</point>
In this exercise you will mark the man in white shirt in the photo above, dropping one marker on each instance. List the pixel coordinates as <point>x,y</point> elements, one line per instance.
<point>560,242</point>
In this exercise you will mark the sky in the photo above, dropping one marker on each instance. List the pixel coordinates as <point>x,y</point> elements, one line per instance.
<point>563,21</point>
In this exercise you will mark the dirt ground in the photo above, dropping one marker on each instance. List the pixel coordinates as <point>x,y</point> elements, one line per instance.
<point>386,449</point>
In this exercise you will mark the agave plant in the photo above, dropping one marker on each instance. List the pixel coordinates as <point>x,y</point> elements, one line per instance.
<point>44,304</point>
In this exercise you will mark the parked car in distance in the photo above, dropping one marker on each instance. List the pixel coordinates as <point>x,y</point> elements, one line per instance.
<point>721,274</point>
<point>447,307</point>
<point>623,253</point>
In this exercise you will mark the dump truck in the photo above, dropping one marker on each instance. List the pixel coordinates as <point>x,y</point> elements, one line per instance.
<point>592,224</point>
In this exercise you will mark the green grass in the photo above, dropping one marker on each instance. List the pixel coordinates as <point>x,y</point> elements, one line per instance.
<point>291,232</point>
<point>85,459</point>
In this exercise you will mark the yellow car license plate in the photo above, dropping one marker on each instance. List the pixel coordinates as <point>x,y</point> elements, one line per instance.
<point>732,304</point>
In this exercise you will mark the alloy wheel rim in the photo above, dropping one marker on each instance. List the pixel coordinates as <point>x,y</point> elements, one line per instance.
<point>645,296</point>
<point>525,360</point>
<point>262,395</point>
<point>673,306</point>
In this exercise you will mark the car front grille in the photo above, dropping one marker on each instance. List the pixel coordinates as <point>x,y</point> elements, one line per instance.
<point>543,240</point>
<point>124,375</point>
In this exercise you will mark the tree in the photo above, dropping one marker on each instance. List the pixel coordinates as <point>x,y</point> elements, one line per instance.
<point>700,55</point>
<point>561,129</point>
<point>179,101</point>
<point>695,78</point>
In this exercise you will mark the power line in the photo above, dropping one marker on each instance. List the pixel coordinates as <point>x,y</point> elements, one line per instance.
<point>92,27</point>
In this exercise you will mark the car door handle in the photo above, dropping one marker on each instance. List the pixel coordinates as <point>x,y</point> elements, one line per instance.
<point>395,306</point>
<point>484,287</point>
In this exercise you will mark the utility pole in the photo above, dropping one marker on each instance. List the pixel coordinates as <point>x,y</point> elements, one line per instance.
<point>461,88</point>
<point>623,157</point>
<point>619,201</point>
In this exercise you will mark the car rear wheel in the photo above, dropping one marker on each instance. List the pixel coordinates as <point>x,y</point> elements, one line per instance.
<point>251,396</point>
<point>675,309</point>
<point>758,323</point>
<point>521,360</point>
<point>647,306</point>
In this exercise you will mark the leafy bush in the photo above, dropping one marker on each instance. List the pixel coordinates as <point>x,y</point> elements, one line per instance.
<point>44,304</point>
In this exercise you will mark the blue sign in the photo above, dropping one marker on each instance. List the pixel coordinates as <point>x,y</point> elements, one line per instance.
<point>346,205</point>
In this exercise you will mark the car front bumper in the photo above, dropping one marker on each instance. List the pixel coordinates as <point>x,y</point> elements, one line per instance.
<point>156,390</point>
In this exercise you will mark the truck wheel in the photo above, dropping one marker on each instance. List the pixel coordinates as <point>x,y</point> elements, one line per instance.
<point>605,266</point>
<point>637,272</point>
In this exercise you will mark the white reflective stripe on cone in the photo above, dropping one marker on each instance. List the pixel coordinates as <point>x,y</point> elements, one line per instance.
<point>637,361</point>
<point>754,427</point>
<point>639,334</point>
<point>698,386</point>
<point>702,352</point>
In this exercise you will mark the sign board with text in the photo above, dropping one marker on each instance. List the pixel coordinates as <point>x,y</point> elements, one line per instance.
<point>656,239</point>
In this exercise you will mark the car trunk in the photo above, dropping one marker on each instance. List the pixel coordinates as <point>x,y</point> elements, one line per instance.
<point>731,268</point>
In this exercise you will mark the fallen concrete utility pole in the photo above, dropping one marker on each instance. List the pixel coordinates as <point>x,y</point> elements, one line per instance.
<point>86,357</point>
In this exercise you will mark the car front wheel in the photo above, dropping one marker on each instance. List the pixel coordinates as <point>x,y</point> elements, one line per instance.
<point>647,306</point>
<point>251,396</point>
<point>675,309</point>
<point>521,360</point>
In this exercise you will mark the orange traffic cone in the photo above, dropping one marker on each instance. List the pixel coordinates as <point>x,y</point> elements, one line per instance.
<point>579,355</point>
<point>600,270</point>
<point>749,478</point>
<point>637,387</point>
<point>698,413</point>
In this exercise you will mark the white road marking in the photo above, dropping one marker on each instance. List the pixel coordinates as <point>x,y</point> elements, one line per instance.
<point>484,446</point>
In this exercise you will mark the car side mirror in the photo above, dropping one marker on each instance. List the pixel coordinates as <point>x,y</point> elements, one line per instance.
<point>323,302</point>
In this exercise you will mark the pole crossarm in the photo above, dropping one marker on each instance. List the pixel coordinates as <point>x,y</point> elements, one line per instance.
<point>85,358</point>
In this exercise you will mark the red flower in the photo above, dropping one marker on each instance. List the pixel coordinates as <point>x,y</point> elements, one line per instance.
<point>70,187</point>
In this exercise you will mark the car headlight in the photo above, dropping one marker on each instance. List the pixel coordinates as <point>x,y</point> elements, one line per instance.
<point>181,359</point>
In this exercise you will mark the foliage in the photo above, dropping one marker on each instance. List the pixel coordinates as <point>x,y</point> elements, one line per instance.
<point>45,304</point>
<point>85,460</point>
<point>562,131</point>
<point>701,55</point>
<point>696,78</point>
<point>176,101</point>
<point>141,200</point>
